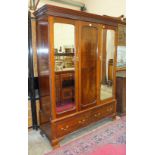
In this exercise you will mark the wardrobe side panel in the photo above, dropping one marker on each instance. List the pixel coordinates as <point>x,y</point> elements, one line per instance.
<point>43,72</point>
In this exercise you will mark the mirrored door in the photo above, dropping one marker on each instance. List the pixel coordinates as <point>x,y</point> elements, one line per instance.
<point>64,55</point>
<point>107,64</point>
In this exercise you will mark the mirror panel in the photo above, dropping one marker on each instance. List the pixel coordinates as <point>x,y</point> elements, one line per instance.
<point>64,45</point>
<point>107,64</point>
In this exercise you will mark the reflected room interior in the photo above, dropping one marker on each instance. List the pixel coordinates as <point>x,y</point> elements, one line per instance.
<point>121,56</point>
<point>107,64</point>
<point>64,48</point>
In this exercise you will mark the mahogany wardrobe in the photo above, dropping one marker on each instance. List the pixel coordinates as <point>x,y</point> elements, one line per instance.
<point>76,54</point>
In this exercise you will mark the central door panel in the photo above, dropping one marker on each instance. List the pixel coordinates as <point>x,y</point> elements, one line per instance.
<point>89,43</point>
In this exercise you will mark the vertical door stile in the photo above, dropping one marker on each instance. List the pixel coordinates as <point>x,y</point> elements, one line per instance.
<point>79,64</point>
<point>51,66</point>
<point>76,61</point>
<point>115,62</point>
<point>99,62</point>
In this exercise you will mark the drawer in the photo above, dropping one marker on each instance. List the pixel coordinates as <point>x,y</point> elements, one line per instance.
<point>70,124</point>
<point>67,125</point>
<point>102,112</point>
<point>110,108</point>
<point>98,113</point>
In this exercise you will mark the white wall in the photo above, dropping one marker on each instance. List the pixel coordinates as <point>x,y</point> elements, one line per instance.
<point>113,8</point>
<point>63,35</point>
<point>106,7</point>
<point>43,2</point>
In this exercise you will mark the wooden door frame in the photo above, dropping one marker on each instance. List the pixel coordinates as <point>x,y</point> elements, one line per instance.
<point>51,21</point>
<point>114,63</point>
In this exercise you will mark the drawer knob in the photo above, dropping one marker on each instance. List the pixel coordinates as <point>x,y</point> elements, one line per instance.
<point>109,109</point>
<point>82,121</point>
<point>98,114</point>
<point>64,129</point>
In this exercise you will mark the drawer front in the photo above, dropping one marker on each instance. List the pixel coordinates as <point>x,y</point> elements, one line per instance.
<point>71,124</point>
<point>102,112</point>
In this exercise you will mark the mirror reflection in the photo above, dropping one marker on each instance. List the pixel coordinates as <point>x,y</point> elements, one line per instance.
<point>107,64</point>
<point>64,48</point>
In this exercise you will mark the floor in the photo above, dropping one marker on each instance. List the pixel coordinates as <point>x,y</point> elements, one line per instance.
<point>39,145</point>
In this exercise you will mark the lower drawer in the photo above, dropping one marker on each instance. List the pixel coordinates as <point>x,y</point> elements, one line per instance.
<point>70,124</point>
<point>67,125</point>
<point>102,112</point>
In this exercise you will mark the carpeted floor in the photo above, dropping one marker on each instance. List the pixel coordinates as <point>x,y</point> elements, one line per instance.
<point>110,139</point>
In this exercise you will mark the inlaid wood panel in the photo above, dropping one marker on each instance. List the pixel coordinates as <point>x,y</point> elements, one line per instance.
<point>89,42</point>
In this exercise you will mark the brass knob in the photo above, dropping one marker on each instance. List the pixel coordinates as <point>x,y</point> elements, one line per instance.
<point>65,128</point>
<point>109,109</point>
<point>79,121</point>
<point>82,121</point>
